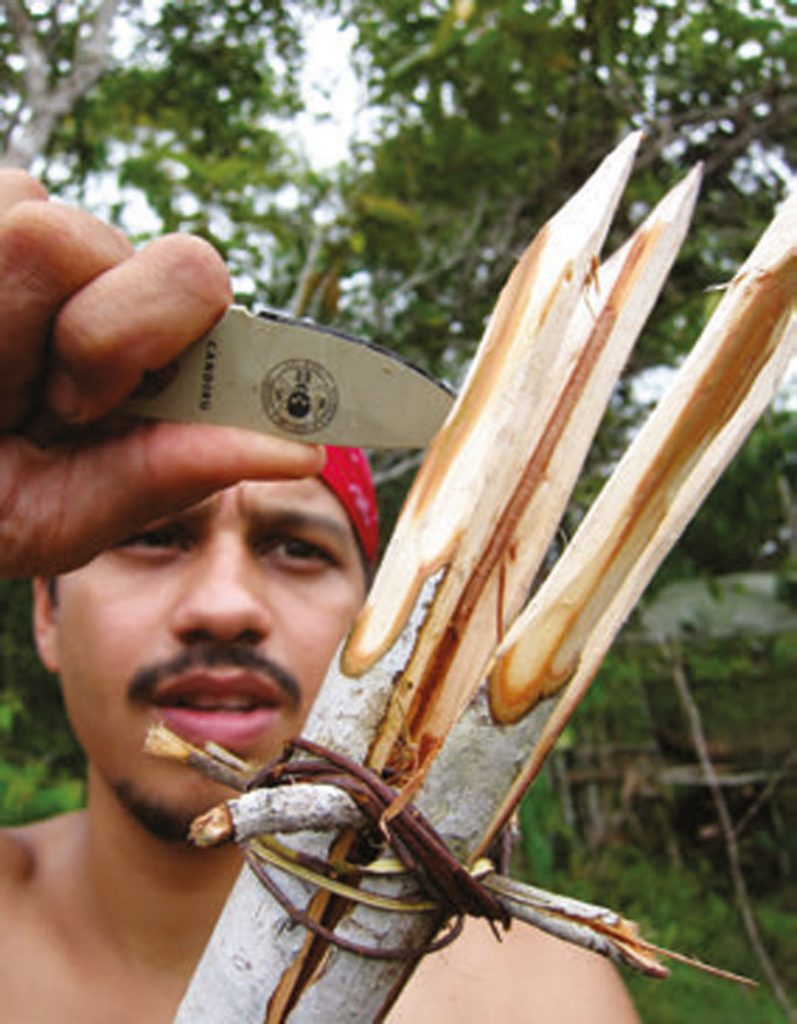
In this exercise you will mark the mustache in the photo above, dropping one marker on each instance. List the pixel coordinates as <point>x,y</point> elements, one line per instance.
<point>145,682</point>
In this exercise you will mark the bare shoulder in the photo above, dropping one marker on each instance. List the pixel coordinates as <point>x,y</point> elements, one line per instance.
<point>23,850</point>
<point>16,858</point>
<point>529,976</point>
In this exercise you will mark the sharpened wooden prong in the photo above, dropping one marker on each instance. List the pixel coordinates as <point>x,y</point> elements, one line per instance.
<point>485,586</point>
<point>725,384</point>
<point>464,510</point>
<point>501,409</point>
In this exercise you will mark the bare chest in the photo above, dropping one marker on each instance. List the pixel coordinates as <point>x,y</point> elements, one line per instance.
<point>47,975</point>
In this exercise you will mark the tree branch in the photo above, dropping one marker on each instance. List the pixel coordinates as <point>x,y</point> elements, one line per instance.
<point>766,793</point>
<point>457,253</point>
<point>47,102</point>
<point>666,130</point>
<point>470,538</point>
<point>694,718</point>
<point>303,292</point>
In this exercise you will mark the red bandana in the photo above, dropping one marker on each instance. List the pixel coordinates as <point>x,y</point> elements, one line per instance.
<point>348,476</point>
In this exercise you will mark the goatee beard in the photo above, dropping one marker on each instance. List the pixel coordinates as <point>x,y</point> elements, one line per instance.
<point>160,820</point>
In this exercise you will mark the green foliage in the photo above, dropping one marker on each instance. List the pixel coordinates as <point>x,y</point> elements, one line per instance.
<point>546,840</point>
<point>41,766</point>
<point>493,113</point>
<point>652,851</point>
<point>28,792</point>
<point>485,117</point>
<point>678,909</point>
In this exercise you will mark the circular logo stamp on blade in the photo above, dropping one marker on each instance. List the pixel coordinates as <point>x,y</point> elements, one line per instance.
<point>299,396</point>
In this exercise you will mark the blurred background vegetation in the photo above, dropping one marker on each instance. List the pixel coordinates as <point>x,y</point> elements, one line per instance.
<point>467,123</point>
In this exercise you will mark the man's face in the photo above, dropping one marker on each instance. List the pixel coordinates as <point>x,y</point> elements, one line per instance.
<point>220,622</point>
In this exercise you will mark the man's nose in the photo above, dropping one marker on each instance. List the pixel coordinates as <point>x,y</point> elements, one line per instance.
<point>222,597</point>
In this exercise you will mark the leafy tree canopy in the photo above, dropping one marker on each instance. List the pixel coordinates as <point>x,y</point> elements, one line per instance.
<point>492,113</point>
<point>485,116</point>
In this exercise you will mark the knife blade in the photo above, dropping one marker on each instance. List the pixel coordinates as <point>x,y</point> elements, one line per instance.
<point>298,380</point>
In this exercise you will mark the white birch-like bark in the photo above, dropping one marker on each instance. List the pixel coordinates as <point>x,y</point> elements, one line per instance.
<point>47,101</point>
<point>251,969</point>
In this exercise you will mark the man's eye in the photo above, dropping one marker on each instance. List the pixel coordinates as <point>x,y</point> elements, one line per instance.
<point>305,551</point>
<point>168,536</point>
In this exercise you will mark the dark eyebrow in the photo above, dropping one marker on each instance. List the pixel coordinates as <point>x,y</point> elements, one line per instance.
<point>289,519</point>
<point>273,518</point>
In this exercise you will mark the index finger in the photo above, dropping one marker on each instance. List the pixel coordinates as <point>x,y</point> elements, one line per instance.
<point>48,252</point>
<point>136,317</point>
<point>16,186</point>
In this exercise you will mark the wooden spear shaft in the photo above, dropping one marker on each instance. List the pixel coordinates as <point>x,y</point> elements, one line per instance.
<point>258,961</point>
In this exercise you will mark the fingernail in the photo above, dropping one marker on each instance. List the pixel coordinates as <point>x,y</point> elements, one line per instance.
<point>64,396</point>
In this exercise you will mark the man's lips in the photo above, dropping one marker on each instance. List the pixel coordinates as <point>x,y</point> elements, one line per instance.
<point>230,708</point>
<point>230,694</point>
<point>213,690</point>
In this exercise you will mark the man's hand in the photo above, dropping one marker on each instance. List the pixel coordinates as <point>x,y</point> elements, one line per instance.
<point>82,317</point>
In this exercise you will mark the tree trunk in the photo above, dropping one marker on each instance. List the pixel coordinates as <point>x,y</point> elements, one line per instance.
<point>47,99</point>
